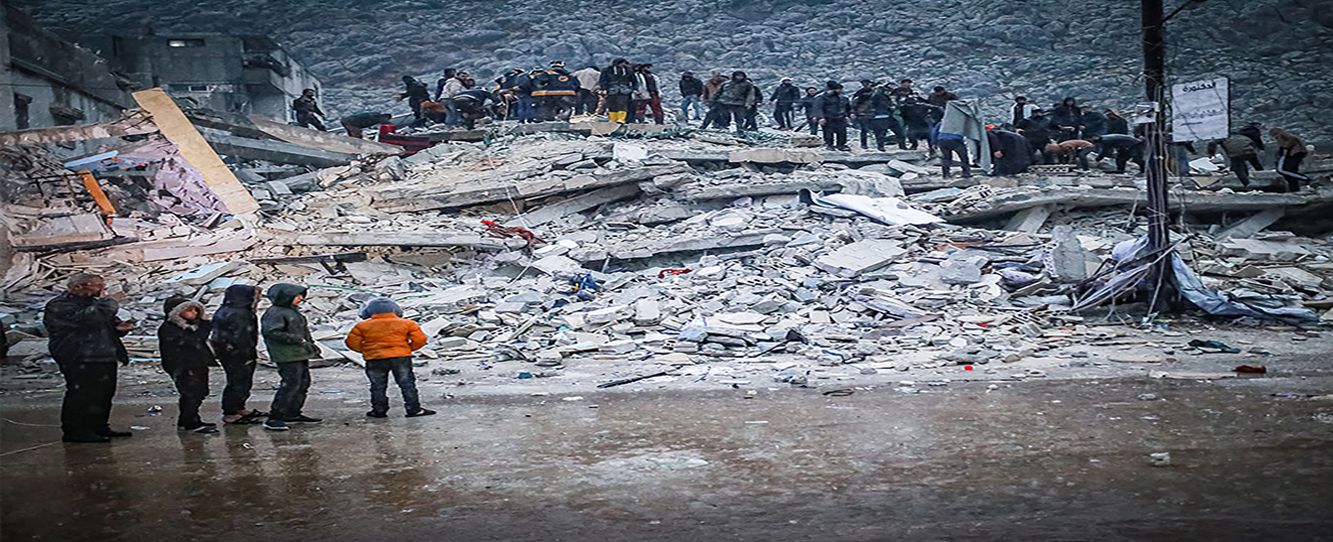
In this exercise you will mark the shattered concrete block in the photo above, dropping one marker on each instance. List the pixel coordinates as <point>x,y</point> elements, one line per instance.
<point>510,307</point>
<point>962,269</point>
<point>647,312</point>
<point>449,343</point>
<point>860,257</point>
<point>1069,260</point>
<point>1254,249</point>
<point>557,263</point>
<point>623,346</point>
<point>605,316</point>
<point>768,304</point>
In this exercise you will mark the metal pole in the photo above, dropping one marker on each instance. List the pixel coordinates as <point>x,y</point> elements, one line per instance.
<point>1154,75</point>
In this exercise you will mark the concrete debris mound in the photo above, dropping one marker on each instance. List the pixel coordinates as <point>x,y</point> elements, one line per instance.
<point>590,257</point>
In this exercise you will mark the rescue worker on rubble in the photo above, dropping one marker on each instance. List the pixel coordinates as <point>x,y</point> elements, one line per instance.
<point>415,92</point>
<point>617,83</point>
<point>307,110</point>
<point>714,115</point>
<point>863,110</point>
<point>878,109</point>
<point>1037,130</point>
<point>1241,152</point>
<point>808,105</point>
<point>471,105</point>
<point>1065,120</point>
<point>691,94</point>
<point>587,97</point>
<point>1126,148</point>
<point>446,89</point>
<point>917,119</point>
<point>520,84</point>
<point>555,91</point>
<point>354,124</point>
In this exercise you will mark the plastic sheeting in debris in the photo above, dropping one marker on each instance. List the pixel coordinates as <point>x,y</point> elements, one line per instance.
<point>1218,304</point>
<point>891,211</point>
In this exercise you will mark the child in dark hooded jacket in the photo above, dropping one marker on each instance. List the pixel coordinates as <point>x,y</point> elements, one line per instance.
<point>235,338</point>
<point>183,341</point>
<point>386,340</point>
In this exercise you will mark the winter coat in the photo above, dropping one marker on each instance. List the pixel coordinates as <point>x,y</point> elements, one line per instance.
<point>1288,142</point>
<point>1094,124</point>
<point>235,324</point>
<point>737,93</point>
<point>832,107</point>
<point>1235,146</point>
<point>83,330</point>
<point>918,115</point>
<point>1117,125</point>
<point>1037,129</point>
<point>449,89</point>
<point>689,86</point>
<point>385,333</point>
<point>1065,115</point>
<point>557,82</point>
<point>618,80</point>
<point>808,104</point>
<point>588,78</point>
<point>938,99</point>
<point>286,332</point>
<point>786,94</point>
<point>183,343</point>
<point>712,87</point>
<point>415,91</point>
<point>306,105</point>
<point>861,104</point>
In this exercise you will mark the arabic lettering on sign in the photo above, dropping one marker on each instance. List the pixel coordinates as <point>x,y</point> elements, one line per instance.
<point>1200,110</point>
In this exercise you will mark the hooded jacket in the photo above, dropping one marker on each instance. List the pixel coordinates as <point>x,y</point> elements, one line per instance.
<point>689,86</point>
<point>83,330</point>
<point>618,80</point>
<point>385,333</point>
<point>737,93</point>
<point>183,343</point>
<point>286,332</point>
<point>786,94</point>
<point>832,107</point>
<point>1288,143</point>
<point>712,86</point>
<point>235,324</point>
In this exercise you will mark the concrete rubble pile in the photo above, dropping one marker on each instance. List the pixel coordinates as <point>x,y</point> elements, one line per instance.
<point>588,258</point>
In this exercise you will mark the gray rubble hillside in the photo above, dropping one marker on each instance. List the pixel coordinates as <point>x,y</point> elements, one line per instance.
<point>1278,53</point>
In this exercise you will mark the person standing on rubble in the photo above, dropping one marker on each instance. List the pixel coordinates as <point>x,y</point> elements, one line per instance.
<point>917,120</point>
<point>714,115</point>
<point>307,111</point>
<point>736,96</point>
<point>904,91</point>
<point>183,342</point>
<point>808,105</point>
<point>650,89</point>
<point>949,145</point>
<point>235,341</point>
<point>290,345</point>
<point>785,98</point>
<point>831,112</point>
<point>587,93</point>
<point>449,73</point>
<point>1037,130</point>
<point>882,120</point>
<point>863,110</point>
<point>617,83</point>
<point>1290,151</point>
<point>1091,123</point>
<point>386,340</point>
<point>415,92</point>
<point>557,90</point>
<point>1022,109</point>
<point>939,97</point>
<point>752,110</point>
<point>85,344</point>
<point>691,94</point>
<point>520,84</point>
<point>1065,120</point>
<point>1116,124</point>
<point>446,90</point>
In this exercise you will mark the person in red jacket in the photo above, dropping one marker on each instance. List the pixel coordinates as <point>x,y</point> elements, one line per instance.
<point>386,340</point>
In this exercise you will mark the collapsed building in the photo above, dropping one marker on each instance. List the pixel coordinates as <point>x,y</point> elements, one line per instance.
<point>591,251</point>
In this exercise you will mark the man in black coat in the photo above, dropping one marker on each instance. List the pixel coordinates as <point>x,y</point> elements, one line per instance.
<point>85,343</point>
<point>785,96</point>
<point>831,111</point>
<point>1037,130</point>
<point>917,118</point>
<point>307,111</point>
<point>1010,152</point>
<point>415,92</point>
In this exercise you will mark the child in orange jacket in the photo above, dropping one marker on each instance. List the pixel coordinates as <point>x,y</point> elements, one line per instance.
<point>386,340</point>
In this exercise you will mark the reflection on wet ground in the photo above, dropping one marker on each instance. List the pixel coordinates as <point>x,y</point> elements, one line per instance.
<point>1048,460</point>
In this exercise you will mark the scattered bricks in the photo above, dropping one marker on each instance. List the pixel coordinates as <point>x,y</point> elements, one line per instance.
<point>860,257</point>
<point>623,346</point>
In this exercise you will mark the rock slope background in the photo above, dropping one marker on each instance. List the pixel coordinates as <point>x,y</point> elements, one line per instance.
<point>1278,53</point>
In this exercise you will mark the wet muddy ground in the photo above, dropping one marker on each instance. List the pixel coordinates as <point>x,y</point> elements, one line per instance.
<point>1037,460</point>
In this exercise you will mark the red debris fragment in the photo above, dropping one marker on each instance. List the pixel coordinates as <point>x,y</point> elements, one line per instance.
<point>1250,369</point>
<point>666,272</point>
<point>514,231</point>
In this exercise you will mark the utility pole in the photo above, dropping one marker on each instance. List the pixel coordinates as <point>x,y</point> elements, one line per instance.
<point>1154,75</point>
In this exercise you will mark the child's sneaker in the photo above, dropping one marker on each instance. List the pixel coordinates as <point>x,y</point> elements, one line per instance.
<point>420,412</point>
<point>377,414</point>
<point>276,425</point>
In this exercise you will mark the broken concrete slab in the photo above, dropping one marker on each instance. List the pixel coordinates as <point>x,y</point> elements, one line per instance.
<point>1254,249</point>
<point>774,156</point>
<point>557,210</point>
<point>1029,220</point>
<point>1252,224</point>
<point>482,193</point>
<point>860,257</point>
<point>406,240</point>
<point>1008,201</point>
<point>205,274</point>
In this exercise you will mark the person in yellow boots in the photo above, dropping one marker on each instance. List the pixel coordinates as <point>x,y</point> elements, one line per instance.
<point>618,83</point>
<point>386,340</point>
